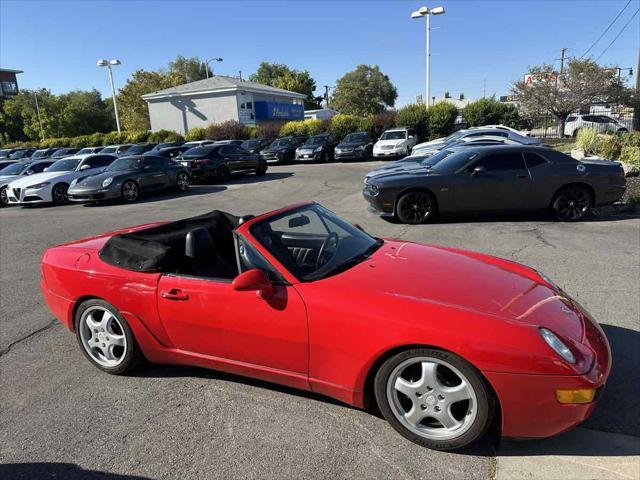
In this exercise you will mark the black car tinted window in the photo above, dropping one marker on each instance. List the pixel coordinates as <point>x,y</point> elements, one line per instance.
<point>39,167</point>
<point>99,161</point>
<point>454,162</point>
<point>533,159</point>
<point>200,151</point>
<point>501,161</point>
<point>154,162</point>
<point>556,157</point>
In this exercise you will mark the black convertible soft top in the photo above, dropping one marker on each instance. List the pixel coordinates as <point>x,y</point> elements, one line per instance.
<point>162,248</point>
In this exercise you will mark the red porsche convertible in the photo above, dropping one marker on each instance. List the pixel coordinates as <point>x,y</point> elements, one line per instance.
<point>443,340</point>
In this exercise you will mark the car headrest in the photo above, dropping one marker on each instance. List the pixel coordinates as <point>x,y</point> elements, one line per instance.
<point>198,243</point>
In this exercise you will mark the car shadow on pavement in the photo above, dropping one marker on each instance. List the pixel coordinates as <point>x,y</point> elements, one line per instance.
<point>66,471</point>
<point>162,196</point>
<point>616,412</point>
<point>251,178</point>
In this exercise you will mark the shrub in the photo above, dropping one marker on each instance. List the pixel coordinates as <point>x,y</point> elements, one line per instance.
<point>342,125</point>
<point>164,136</point>
<point>269,129</point>
<point>80,141</point>
<point>96,139</point>
<point>308,127</point>
<point>609,146</point>
<point>630,155</point>
<point>251,131</point>
<point>414,116</point>
<point>195,134</point>
<point>631,139</point>
<point>441,119</point>
<point>229,130</point>
<point>137,136</point>
<point>382,121</point>
<point>587,139</point>
<point>486,111</point>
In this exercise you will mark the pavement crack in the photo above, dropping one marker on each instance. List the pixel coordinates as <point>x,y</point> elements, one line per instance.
<point>28,336</point>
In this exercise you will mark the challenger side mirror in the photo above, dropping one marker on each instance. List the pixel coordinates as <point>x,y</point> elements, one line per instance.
<point>478,170</point>
<point>254,280</point>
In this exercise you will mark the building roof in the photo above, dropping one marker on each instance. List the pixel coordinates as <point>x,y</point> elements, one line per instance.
<point>8,70</point>
<point>219,83</point>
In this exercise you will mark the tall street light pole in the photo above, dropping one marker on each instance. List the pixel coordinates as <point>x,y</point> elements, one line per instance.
<point>108,64</point>
<point>214,59</point>
<point>426,12</point>
<point>35,95</point>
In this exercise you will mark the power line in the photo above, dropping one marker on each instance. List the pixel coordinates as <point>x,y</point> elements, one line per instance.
<point>619,33</point>
<point>606,29</point>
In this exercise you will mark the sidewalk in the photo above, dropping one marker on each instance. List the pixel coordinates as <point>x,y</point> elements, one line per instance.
<point>579,454</point>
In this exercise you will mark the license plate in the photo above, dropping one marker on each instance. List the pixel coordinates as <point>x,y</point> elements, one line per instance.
<point>306,156</point>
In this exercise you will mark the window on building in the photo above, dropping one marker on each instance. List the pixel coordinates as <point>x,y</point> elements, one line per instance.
<point>9,87</point>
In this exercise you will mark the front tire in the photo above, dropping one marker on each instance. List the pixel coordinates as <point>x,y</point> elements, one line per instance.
<point>434,398</point>
<point>415,207</point>
<point>130,191</point>
<point>59,194</point>
<point>222,173</point>
<point>182,182</point>
<point>572,203</point>
<point>105,337</point>
<point>261,169</point>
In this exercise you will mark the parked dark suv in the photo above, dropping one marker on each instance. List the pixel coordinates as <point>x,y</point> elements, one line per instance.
<point>255,145</point>
<point>357,145</point>
<point>319,147</point>
<point>220,161</point>
<point>283,149</point>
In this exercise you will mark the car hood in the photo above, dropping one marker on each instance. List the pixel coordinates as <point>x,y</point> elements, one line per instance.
<point>401,166</point>
<point>97,179</point>
<point>438,142</point>
<point>6,179</point>
<point>351,144</point>
<point>464,280</point>
<point>277,149</point>
<point>393,143</point>
<point>27,180</point>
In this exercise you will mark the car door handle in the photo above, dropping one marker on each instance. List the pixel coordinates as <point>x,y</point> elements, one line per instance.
<point>175,294</point>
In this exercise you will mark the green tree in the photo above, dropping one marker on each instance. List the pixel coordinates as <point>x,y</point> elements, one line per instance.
<point>442,119</point>
<point>82,113</point>
<point>192,69</point>
<point>581,83</point>
<point>133,110</point>
<point>486,111</point>
<point>414,116</point>
<point>364,91</point>
<point>279,75</point>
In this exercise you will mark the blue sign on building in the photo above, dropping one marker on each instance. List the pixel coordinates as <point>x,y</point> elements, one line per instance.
<point>279,111</point>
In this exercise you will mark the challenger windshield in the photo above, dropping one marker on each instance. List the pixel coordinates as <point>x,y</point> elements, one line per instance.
<point>329,244</point>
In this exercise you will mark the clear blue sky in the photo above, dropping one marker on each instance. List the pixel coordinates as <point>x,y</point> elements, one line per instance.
<point>57,43</point>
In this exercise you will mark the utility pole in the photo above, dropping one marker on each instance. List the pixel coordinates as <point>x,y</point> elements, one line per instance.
<point>562,52</point>
<point>484,88</point>
<point>636,110</point>
<point>35,95</point>
<point>240,74</point>
<point>326,95</point>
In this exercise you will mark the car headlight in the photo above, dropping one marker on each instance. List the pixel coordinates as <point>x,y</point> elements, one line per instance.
<point>318,150</point>
<point>73,182</point>
<point>39,185</point>
<point>107,181</point>
<point>557,345</point>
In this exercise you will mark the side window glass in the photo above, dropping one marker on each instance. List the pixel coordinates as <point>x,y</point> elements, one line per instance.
<point>533,159</point>
<point>250,258</point>
<point>501,162</point>
<point>308,223</point>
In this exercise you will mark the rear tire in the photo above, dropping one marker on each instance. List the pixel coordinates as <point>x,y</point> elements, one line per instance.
<point>415,207</point>
<point>59,194</point>
<point>222,173</point>
<point>105,337</point>
<point>572,203</point>
<point>261,169</point>
<point>4,198</point>
<point>434,398</point>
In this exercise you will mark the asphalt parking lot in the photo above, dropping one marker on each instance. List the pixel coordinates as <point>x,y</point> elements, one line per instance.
<point>62,418</point>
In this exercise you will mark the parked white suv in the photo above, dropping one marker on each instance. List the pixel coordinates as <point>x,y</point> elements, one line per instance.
<point>396,142</point>
<point>602,123</point>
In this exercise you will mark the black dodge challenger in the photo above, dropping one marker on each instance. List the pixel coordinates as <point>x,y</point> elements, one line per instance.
<point>494,178</point>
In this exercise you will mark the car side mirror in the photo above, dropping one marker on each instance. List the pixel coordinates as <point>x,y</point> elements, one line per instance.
<point>85,167</point>
<point>30,172</point>
<point>256,280</point>
<point>478,170</point>
<point>45,169</point>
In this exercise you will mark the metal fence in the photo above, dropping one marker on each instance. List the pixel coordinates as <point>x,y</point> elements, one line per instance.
<point>604,118</point>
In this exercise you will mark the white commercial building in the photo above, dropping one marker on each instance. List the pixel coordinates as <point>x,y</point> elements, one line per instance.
<point>218,99</point>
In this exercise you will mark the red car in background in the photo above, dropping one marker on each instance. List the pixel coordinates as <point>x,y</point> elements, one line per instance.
<point>443,340</point>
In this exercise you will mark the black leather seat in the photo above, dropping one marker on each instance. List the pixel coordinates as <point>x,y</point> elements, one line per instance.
<point>204,258</point>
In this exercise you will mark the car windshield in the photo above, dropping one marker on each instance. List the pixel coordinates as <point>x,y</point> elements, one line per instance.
<point>199,151</point>
<point>85,151</point>
<point>39,153</point>
<point>437,157</point>
<point>318,140</point>
<point>281,142</point>
<point>63,151</point>
<point>19,154</point>
<point>398,135</point>
<point>137,149</point>
<point>454,161</point>
<point>109,149</point>
<point>333,245</point>
<point>13,169</point>
<point>125,164</point>
<point>66,165</point>
<point>355,137</point>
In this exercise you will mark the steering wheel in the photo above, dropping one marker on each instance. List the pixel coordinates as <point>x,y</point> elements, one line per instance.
<point>328,250</point>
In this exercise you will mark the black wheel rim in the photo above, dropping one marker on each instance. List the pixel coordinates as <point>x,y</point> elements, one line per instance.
<point>223,173</point>
<point>130,191</point>
<point>183,181</point>
<point>415,207</point>
<point>59,194</point>
<point>4,197</point>
<point>573,203</point>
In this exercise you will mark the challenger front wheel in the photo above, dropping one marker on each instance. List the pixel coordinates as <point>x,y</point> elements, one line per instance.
<point>434,398</point>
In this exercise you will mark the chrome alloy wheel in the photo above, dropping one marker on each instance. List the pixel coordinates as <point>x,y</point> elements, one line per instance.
<point>183,182</point>
<point>431,398</point>
<point>102,336</point>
